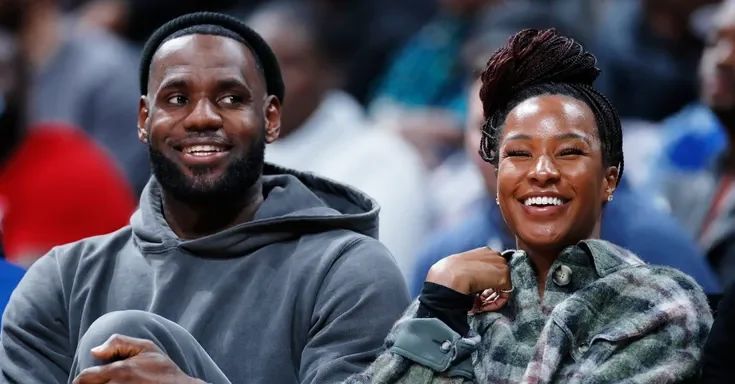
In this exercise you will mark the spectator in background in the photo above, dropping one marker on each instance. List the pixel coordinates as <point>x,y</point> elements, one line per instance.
<point>324,130</point>
<point>56,185</point>
<point>647,52</point>
<point>10,276</point>
<point>628,221</point>
<point>135,20</point>
<point>377,29</point>
<point>83,78</point>
<point>421,94</point>
<point>695,171</point>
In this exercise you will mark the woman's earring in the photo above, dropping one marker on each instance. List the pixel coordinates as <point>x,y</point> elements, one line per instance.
<point>609,197</point>
<point>497,200</point>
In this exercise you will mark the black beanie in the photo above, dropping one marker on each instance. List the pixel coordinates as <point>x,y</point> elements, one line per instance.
<point>258,46</point>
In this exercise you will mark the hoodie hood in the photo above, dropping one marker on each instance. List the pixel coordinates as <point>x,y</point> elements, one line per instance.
<point>295,203</point>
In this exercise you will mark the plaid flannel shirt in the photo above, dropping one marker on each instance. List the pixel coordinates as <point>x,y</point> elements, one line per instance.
<point>616,320</point>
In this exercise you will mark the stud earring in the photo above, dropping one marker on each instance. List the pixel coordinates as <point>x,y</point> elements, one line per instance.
<point>497,200</point>
<point>609,197</point>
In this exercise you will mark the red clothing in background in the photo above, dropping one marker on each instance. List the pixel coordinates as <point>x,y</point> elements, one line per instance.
<point>59,187</point>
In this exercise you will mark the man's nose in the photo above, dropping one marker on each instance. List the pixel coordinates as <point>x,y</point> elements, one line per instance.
<point>204,116</point>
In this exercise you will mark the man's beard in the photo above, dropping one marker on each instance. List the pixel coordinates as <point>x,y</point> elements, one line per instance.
<point>241,174</point>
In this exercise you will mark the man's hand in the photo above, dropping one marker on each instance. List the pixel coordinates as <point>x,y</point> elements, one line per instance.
<point>139,361</point>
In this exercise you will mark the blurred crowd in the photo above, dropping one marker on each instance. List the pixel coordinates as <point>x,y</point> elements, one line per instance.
<point>381,95</point>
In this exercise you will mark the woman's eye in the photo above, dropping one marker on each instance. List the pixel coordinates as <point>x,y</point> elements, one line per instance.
<point>516,153</point>
<point>571,152</point>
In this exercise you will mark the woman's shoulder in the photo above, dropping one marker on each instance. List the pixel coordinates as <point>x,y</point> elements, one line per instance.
<point>656,304</point>
<point>617,263</point>
<point>647,297</point>
<point>659,285</point>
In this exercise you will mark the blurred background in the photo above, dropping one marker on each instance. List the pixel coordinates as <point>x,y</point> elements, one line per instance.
<point>381,95</point>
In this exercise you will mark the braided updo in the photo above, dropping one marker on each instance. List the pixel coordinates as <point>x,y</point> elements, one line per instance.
<point>542,62</point>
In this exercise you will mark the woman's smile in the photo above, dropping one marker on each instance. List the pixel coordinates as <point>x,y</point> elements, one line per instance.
<point>544,207</point>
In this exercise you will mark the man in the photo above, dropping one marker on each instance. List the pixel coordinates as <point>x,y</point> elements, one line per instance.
<point>56,185</point>
<point>232,271</point>
<point>628,221</point>
<point>83,78</point>
<point>695,169</point>
<point>325,130</point>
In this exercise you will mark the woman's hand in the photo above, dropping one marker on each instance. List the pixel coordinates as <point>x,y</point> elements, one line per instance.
<point>482,271</point>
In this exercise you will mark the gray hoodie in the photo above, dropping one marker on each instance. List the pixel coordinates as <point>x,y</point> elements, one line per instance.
<point>304,293</point>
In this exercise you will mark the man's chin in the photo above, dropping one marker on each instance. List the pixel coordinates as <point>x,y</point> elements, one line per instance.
<point>219,183</point>
<point>188,184</point>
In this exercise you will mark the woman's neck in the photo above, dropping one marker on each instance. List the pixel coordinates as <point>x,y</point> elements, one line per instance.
<point>542,260</point>
<point>543,257</point>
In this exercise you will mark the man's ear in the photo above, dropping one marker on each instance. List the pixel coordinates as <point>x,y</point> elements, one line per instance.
<point>272,114</point>
<point>143,114</point>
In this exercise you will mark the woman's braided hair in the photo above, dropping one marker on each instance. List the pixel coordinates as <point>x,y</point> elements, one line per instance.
<point>540,62</point>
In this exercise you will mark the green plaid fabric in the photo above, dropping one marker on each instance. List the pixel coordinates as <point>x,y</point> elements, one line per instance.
<point>617,320</point>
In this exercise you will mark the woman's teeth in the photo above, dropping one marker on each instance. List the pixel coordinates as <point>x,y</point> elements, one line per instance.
<point>543,201</point>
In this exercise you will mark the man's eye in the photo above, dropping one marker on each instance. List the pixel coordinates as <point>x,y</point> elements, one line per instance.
<point>178,100</point>
<point>232,99</point>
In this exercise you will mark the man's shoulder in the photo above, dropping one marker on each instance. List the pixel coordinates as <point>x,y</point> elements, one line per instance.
<point>93,249</point>
<point>338,243</point>
<point>344,249</point>
<point>65,266</point>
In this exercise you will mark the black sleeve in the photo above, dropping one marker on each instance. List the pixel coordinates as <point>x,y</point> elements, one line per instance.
<point>717,364</point>
<point>447,305</point>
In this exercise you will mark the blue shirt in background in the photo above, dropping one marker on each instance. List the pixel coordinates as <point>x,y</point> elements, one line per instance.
<point>10,276</point>
<point>629,221</point>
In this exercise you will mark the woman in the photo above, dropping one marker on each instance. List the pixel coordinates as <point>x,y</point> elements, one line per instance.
<point>565,307</point>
